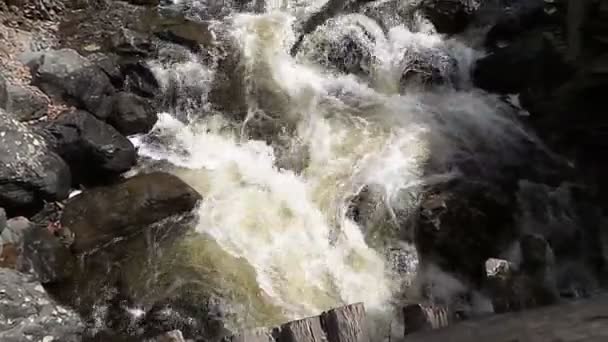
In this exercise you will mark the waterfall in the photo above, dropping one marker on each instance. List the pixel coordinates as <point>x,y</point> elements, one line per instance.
<point>277,180</point>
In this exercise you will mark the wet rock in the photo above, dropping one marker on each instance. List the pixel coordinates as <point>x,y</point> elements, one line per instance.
<point>27,313</point>
<point>418,317</point>
<point>427,67</point>
<point>571,221</point>
<point>344,44</point>
<point>94,150</point>
<point>528,280</point>
<point>50,259</point>
<point>529,60</point>
<point>508,19</point>
<point>132,114</point>
<point>228,92</point>
<point>128,42</point>
<point>461,224</point>
<point>30,172</point>
<point>134,204</point>
<point>139,79</point>
<point>449,16</point>
<point>171,336</point>
<point>67,75</point>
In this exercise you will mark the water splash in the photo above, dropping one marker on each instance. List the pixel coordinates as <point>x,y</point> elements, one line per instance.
<point>289,223</point>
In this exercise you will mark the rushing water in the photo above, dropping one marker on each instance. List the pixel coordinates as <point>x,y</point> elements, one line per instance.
<point>279,205</point>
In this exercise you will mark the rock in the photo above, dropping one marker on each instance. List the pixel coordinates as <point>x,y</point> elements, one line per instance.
<point>449,16</point>
<point>30,173</point>
<point>50,259</point>
<point>461,224</point>
<point>25,104</point>
<point>510,19</point>
<point>526,281</point>
<point>134,204</point>
<point>67,75</point>
<point>139,79</point>
<point>3,92</point>
<point>94,150</point>
<point>128,73</point>
<point>11,242</point>
<point>171,336</point>
<point>571,222</point>
<point>2,220</point>
<point>344,44</point>
<point>418,317</point>
<point>29,314</point>
<point>427,67</point>
<point>132,114</point>
<point>529,60</point>
<point>39,9</point>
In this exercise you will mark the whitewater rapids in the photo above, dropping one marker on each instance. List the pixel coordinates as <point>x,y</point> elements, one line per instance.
<point>275,211</point>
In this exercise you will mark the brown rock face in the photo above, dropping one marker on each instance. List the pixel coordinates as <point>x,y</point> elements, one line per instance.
<point>99,215</point>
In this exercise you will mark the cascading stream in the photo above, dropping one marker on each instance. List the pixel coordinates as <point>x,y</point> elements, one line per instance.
<point>289,223</point>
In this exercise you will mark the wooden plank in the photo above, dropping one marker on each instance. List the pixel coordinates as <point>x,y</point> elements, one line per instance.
<point>585,320</point>
<point>346,324</point>
<point>304,330</point>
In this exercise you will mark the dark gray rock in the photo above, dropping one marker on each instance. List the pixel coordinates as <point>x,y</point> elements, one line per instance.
<point>69,76</point>
<point>27,313</point>
<point>50,259</point>
<point>3,92</point>
<point>132,114</point>
<point>449,16</point>
<point>530,60</point>
<point>462,223</point>
<point>135,203</point>
<point>94,150</point>
<point>2,220</point>
<point>30,173</point>
<point>508,19</point>
<point>24,103</point>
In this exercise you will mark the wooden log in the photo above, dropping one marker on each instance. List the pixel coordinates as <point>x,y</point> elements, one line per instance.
<point>304,330</point>
<point>346,324</point>
<point>584,320</point>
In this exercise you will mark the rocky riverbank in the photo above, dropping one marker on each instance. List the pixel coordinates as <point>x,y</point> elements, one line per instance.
<point>87,221</point>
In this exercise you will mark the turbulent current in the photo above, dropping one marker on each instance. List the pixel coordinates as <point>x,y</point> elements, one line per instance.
<point>274,232</point>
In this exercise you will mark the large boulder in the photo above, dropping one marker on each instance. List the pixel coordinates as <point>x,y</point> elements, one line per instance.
<point>344,44</point>
<point>132,114</point>
<point>461,224</point>
<point>29,314</point>
<point>449,16</point>
<point>530,60</point>
<point>47,255</point>
<point>30,173</point>
<point>25,103</point>
<point>99,215</point>
<point>72,78</point>
<point>423,67</point>
<point>94,150</point>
